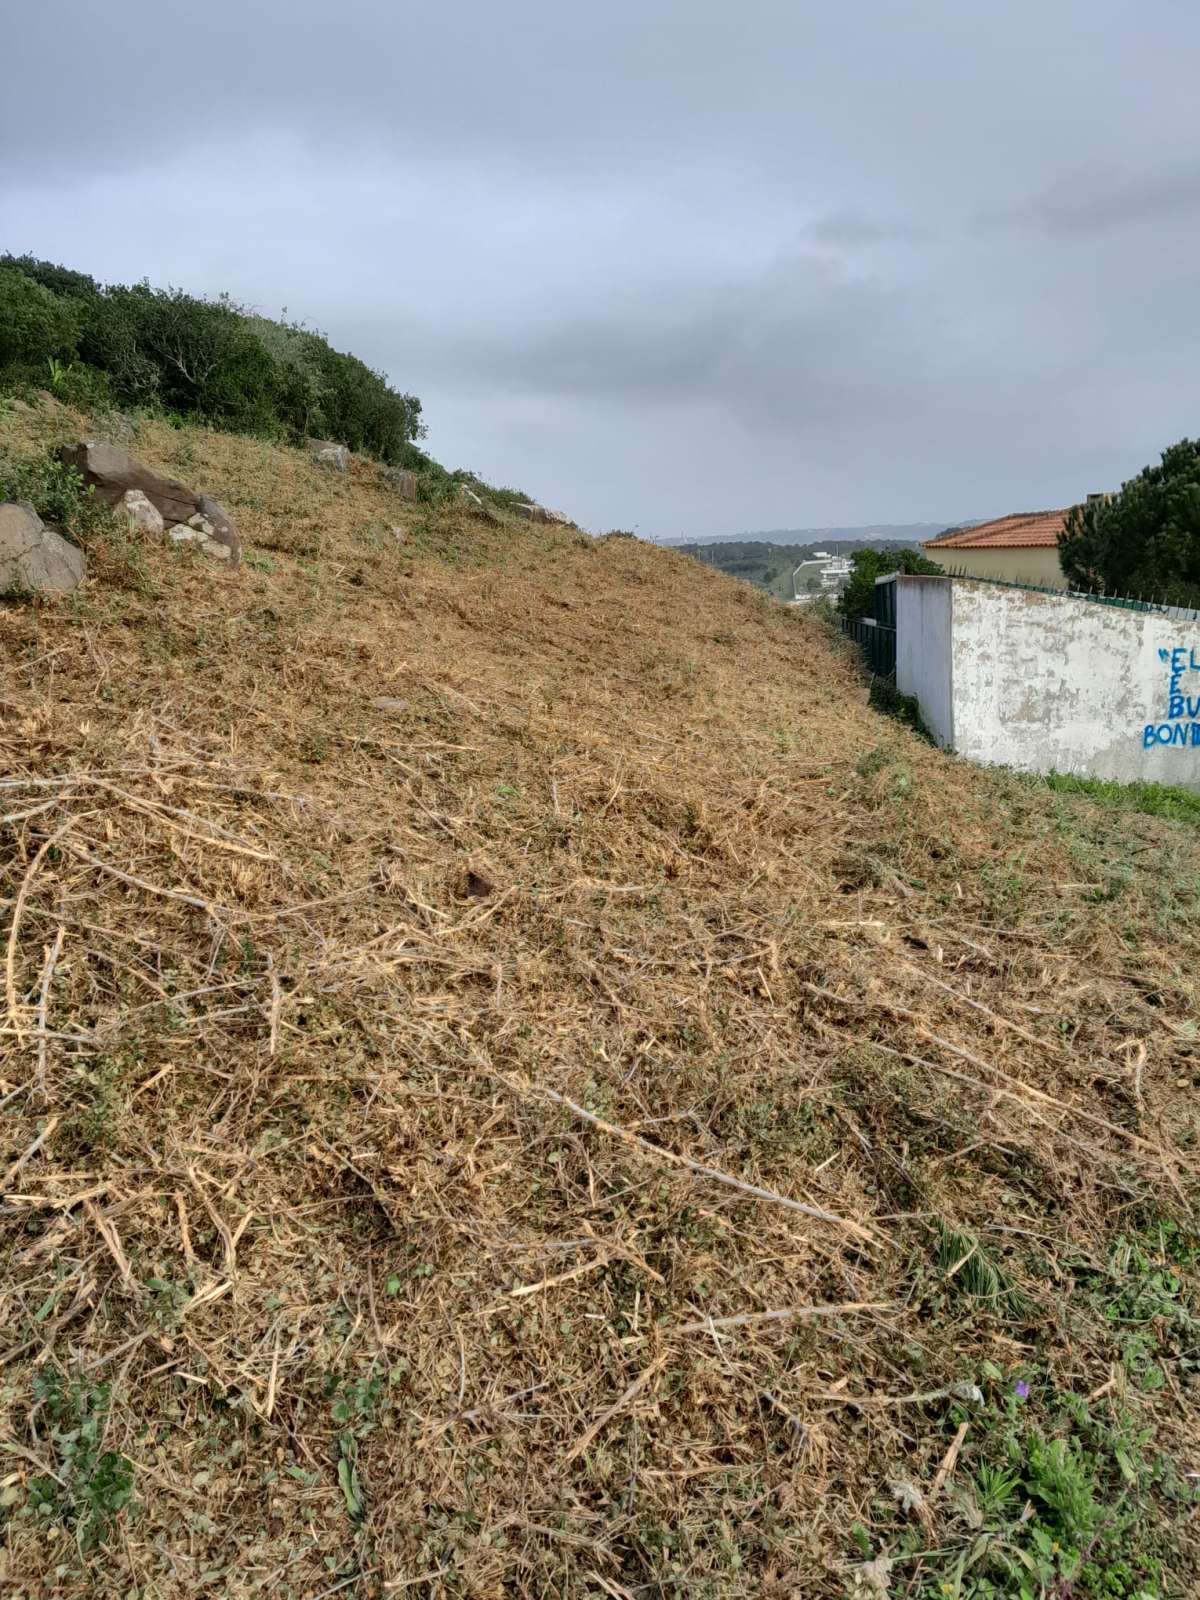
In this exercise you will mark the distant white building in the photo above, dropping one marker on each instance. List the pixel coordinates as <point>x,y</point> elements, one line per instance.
<point>822,574</point>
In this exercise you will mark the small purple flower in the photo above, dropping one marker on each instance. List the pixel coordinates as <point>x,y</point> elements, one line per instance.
<point>1021,1389</point>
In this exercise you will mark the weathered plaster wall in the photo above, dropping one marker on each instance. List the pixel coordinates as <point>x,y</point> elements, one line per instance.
<point>1048,682</point>
<point>923,650</point>
<point>1036,564</point>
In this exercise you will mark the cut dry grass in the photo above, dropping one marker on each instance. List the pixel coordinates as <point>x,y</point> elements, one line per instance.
<point>501,1045</point>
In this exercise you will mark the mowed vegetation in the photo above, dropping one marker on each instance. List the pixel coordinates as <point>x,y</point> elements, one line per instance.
<point>517,1081</point>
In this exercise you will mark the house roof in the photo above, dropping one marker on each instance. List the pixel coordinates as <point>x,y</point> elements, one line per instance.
<point>1017,532</point>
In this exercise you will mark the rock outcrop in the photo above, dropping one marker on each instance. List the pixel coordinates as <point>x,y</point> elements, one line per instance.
<point>139,515</point>
<point>402,481</point>
<point>35,559</point>
<point>334,457</point>
<point>115,476</point>
<point>221,527</point>
<point>112,472</point>
<point>477,506</point>
<point>534,513</point>
<point>201,531</point>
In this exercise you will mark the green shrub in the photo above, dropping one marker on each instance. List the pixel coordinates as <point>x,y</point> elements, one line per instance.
<point>505,499</point>
<point>858,597</point>
<point>75,383</point>
<point>1145,541</point>
<point>35,323</point>
<point>362,411</point>
<point>57,493</point>
<point>200,357</point>
<point>59,280</point>
<point>196,358</point>
<point>301,385</point>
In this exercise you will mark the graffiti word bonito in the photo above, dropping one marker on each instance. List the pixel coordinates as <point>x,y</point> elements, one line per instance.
<point>1182,726</point>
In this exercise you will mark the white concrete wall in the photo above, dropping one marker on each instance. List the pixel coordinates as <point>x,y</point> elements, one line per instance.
<point>923,650</point>
<point>1052,683</point>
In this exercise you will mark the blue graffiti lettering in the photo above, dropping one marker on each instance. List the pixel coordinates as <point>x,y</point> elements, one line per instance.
<point>1182,729</point>
<point>1181,734</point>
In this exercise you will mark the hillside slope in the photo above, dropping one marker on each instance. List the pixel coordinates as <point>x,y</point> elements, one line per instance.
<point>518,1082</point>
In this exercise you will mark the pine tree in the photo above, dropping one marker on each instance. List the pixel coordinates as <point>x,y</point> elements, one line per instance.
<point>1144,541</point>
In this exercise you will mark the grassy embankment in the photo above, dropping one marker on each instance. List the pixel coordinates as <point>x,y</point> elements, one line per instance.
<point>517,1081</point>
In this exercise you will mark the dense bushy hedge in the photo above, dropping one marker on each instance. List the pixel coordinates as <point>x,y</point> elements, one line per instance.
<point>209,359</point>
<point>35,324</point>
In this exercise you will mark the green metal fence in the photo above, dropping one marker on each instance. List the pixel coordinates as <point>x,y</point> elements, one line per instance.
<point>878,644</point>
<point>1123,601</point>
<point>876,635</point>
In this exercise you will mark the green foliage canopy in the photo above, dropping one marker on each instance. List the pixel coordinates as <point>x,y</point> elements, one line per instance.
<point>1145,541</point>
<point>857,598</point>
<point>36,325</point>
<point>212,360</point>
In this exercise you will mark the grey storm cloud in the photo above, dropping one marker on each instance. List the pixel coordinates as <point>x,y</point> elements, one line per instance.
<point>1086,206</point>
<point>671,264</point>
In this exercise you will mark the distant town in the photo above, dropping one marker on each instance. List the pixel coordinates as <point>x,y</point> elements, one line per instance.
<point>802,564</point>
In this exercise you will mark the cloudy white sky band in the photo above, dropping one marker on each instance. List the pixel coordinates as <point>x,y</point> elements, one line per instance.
<point>685,267</point>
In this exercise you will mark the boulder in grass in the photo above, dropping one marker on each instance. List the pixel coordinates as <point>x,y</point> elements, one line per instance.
<point>477,506</point>
<point>113,473</point>
<point>221,524</point>
<point>402,481</point>
<point>333,457</point>
<point>139,515</point>
<point>199,532</point>
<point>536,513</point>
<point>35,559</point>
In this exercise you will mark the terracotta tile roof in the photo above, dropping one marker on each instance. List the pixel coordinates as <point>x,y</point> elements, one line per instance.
<point>1019,531</point>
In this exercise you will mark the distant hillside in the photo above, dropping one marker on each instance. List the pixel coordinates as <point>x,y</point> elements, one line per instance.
<point>770,566</point>
<point>874,533</point>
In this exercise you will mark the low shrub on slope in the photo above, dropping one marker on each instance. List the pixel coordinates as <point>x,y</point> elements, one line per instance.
<point>518,1082</point>
<point>211,360</point>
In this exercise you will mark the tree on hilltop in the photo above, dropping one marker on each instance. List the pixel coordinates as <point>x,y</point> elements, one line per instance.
<point>858,597</point>
<point>1145,540</point>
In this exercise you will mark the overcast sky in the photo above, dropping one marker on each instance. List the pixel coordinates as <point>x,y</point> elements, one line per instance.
<point>673,265</point>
